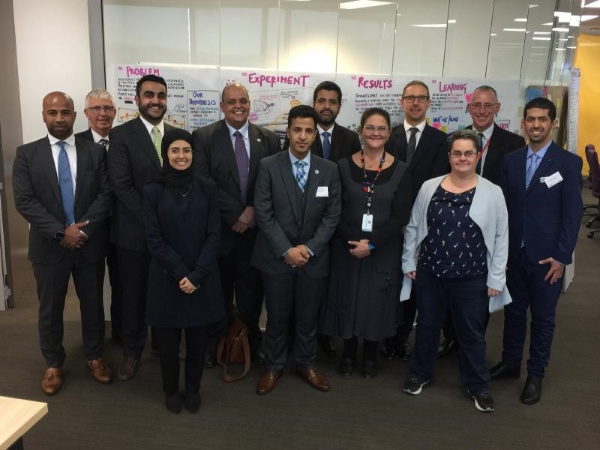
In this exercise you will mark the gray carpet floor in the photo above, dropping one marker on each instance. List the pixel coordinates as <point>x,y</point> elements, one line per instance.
<point>355,414</point>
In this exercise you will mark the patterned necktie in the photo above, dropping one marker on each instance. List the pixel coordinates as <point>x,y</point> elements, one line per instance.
<point>531,168</point>
<point>478,169</point>
<point>326,145</point>
<point>157,140</point>
<point>65,181</point>
<point>243,164</point>
<point>412,144</point>
<point>104,143</point>
<point>301,175</point>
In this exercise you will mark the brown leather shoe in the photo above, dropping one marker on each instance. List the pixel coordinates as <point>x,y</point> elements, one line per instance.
<point>100,371</point>
<point>267,382</point>
<point>128,368</point>
<point>315,379</point>
<point>52,380</point>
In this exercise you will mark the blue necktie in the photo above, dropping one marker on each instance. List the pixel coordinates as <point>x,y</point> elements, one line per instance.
<point>301,175</point>
<point>531,168</point>
<point>326,145</point>
<point>65,182</point>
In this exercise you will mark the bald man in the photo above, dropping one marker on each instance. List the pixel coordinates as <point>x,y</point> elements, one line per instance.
<point>61,188</point>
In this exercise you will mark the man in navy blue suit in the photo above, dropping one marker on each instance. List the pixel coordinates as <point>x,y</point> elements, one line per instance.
<point>542,186</point>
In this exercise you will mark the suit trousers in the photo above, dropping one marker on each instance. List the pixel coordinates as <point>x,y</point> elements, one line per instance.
<point>168,349</point>
<point>293,294</point>
<point>116,297</point>
<point>528,289</point>
<point>133,268</point>
<point>467,300</point>
<point>52,284</point>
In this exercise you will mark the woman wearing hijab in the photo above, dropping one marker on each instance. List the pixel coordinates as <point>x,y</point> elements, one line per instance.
<point>181,217</point>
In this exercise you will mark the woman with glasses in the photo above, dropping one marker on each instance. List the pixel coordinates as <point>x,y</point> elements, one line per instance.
<point>181,219</point>
<point>365,250</point>
<point>455,252</point>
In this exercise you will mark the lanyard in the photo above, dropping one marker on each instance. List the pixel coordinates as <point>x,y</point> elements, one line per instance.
<point>369,188</point>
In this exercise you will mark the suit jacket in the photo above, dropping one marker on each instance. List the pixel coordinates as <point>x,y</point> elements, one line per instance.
<point>431,155</point>
<point>344,142</point>
<point>546,218</point>
<point>132,164</point>
<point>502,142</point>
<point>214,158</point>
<point>283,225</point>
<point>87,135</point>
<point>183,245</point>
<point>38,199</point>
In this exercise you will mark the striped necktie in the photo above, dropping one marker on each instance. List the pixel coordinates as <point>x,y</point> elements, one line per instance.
<point>301,175</point>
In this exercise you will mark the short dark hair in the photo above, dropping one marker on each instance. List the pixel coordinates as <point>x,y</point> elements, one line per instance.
<point>302,111</point>
<point>465,134</point>
<point>327,86</point>
<point>153,78</point>
<point>541,103</point>
<point>415,83</point>
<point>375,112</point>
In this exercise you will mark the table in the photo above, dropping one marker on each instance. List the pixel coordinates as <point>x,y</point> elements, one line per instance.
<point>17,417</point>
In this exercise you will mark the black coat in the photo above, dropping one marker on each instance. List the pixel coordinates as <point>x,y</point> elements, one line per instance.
<point>183,246</point>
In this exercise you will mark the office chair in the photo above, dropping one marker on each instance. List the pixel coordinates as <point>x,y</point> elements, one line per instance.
<point>590,209</point>
<point>592,159</point>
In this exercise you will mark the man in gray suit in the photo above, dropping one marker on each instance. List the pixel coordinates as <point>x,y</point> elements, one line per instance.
<point>61,188</point>
<point>298,204</point>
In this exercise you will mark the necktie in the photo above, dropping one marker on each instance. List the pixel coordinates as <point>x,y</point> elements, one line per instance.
<point>326,145</point>
<point>157,140</point>
<point>243,164</point>
<point>412,144</point>
<point>479,170</point>
<point>104,143</point>
<point>531,168</point>
<point>65,181</point>
<point>301,175</point>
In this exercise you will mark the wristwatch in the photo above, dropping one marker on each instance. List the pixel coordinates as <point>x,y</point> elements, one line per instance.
<point>59,235</point>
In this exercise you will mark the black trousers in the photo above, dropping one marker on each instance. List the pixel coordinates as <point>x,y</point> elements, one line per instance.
<point>52,284</point>
<point>116,297</point>
<point>293,294</point>
<point>133,268</point>
<point>241,280</point>
<point>168,349</point>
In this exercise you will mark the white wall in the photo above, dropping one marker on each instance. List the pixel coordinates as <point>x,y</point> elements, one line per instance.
<point>52,54</point>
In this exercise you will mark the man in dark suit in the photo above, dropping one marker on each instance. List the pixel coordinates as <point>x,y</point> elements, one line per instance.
<point>298,205</point>
<point>133,162</point>
<point>542,187</point>
<point>495,143</point>
<point>61,188</point>
<point>100,112</point>
<point>424,149</point>
<point>228,151</point>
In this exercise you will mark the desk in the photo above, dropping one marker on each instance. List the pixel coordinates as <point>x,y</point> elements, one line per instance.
<point>16,417</point>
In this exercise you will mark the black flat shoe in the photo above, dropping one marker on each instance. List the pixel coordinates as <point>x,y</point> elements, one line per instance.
<point>173,403</point>
<point>369,369</point>
<point>532,392</point>
<point>503,370</point>
<point>346,367</point>
<point>192,401</point>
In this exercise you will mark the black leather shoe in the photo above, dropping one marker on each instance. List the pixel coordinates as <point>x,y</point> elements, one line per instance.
<point>447,347</point>
<point>387,349</point>
<point>173,403</point>
<point>502,370</point>
<point>369,369</point>
<point>532,392</point>
<point>403,351</point>
<point>346,367</point>
<point>327,344</point>
<point>192,401</point>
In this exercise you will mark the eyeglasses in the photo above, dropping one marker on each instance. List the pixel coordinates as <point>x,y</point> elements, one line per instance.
<point>105,109</point>
<point>371,129</point>
<point>486,106</point>
<point>466,154</point>
<point>419,98</point>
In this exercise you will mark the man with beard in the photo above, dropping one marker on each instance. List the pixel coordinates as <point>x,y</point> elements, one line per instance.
<point>424,149</point>
<point>134,160</point>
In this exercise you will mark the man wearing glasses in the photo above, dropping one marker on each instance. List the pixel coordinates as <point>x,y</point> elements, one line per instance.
<point>423,148</point>
<point>100,112</point>
<point>495,144</point>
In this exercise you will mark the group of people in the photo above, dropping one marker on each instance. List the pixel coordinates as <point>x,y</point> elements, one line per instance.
<point>326,230</point>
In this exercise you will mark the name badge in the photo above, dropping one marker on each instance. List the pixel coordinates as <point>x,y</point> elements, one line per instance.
<point>552,180</point>
<point>323,191</point>
<point>367,223</point>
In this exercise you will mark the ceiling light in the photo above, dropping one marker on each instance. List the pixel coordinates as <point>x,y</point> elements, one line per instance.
<point>548,24</point>
<point>563,17</point>
<point>493,34</point>
<point>588,17</point>
<point>452,21</point>
<point>541,38</point>
<point>559,49</point>
<point>542,32</point>
<point>574,21</point>
<point>563,39</point>
<point>357,4</point>
<point>521,19</point>
<point>595,4</point>
<point>571,47</point>
<point>533,6</point>
<point>430,25</point>
<point>518,30</point>
<point>561,30</point>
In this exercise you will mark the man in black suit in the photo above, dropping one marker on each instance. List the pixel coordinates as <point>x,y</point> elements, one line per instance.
<point>100,112</point>
<point>133,162</point>
<point>298,205</point>
<point>424,149</point>
<point>496,143</point>
<point>61,188</point>
<point>228,151</point>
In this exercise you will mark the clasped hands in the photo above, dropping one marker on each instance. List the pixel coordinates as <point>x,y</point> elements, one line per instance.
<point>360,249</point>
<point>74,238</point>
<point>297,256</point>
<point>245,221</point>
<point>187,286</point>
